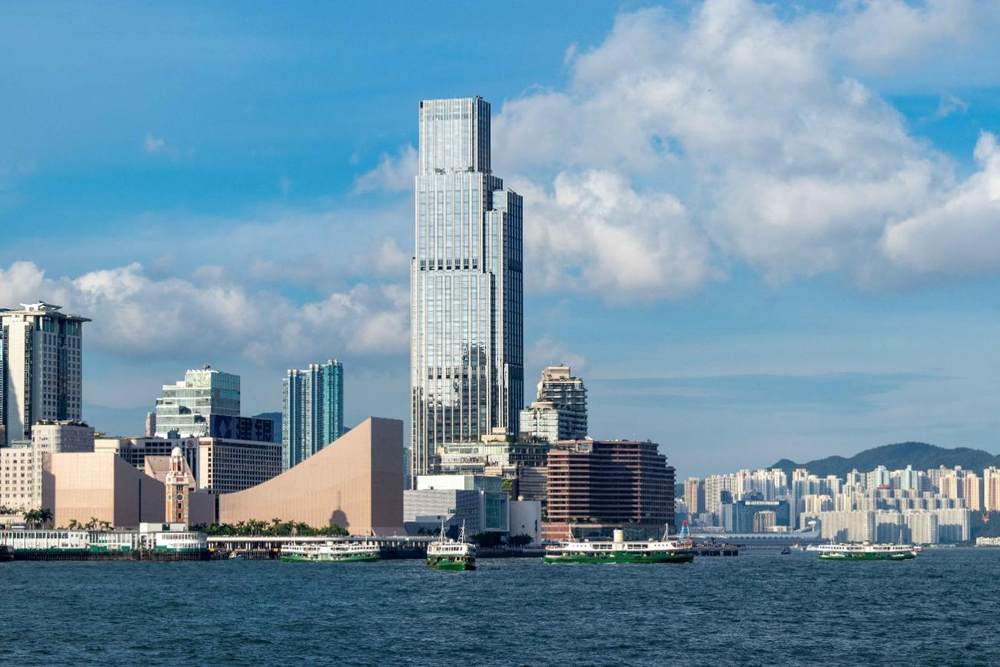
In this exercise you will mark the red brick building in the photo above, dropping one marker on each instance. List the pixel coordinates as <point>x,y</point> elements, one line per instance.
<point>595,486</point>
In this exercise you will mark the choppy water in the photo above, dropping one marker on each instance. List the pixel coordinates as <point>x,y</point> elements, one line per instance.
<point>761,608</point>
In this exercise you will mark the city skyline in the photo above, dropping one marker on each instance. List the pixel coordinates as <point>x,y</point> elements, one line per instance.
<point>667,256</point>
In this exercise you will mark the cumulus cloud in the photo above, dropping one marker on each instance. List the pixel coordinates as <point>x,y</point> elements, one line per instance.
<point>394,173</point>
<point>547,351</point>
<point>173,317</point>
<point>20,283</point>
<point>593,231</point>
<point>961,232</point>
<point>733,134</point>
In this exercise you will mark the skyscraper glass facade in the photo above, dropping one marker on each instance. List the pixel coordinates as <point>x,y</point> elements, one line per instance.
<point>312,410</point>
<point>185,409</point>
<point>467,375</point>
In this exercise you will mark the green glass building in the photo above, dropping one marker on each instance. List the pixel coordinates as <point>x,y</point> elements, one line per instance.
<point>312,410</point>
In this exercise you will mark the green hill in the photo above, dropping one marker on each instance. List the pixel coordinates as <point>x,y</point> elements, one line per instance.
<point>918,454</point>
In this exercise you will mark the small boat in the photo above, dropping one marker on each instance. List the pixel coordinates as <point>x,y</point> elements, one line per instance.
<point>448,554</point>
<point>865,551</point>
<point>235,555</point>
<point>331,552</point>
<point>785,551</point>
<point>618,550</point>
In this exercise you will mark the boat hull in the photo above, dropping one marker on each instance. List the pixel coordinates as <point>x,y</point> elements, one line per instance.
<point>903,555</point>
<point>654,558</point>
<point>450,564</point>
<point>351,558</point>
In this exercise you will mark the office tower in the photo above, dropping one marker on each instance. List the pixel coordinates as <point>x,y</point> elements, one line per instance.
<point>312,410</point>
<point>560,411</point>
<point>41,362</point>
<point>467,374</point>
<point>150,429</point>
<point>185,409</point>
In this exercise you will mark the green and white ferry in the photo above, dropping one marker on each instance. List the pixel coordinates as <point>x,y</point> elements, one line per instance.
<point>448,554</point>
<point>865,551</point>
<point>331,552</point>
<point>618,550</point>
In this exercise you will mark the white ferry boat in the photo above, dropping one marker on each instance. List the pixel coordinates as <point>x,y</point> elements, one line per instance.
<point>865,551</point>
<point>448,554</point>
<point>618,550</point>
<point>330,552</point>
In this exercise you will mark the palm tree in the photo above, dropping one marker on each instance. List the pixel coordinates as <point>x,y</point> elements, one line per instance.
<point>45,515</point>
<point>32,518</point>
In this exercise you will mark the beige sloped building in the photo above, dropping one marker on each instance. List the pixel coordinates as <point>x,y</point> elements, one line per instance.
<point>355,482</point>
<point>103,486</point>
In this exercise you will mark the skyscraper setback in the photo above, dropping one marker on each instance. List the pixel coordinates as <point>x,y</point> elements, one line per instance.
<point>467,374</point>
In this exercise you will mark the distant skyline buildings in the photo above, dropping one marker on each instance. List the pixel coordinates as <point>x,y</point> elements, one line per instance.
<point>185,408</point>
<point>467,329</point>
<point>905,504</point>
<point>41,368</point>
<point>312,414</point>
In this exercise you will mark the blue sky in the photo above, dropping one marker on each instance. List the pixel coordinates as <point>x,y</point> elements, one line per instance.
<point>756,233</point>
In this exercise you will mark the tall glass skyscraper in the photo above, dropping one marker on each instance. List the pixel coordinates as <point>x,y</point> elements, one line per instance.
<point>467,335</point>
<point>312,410</point>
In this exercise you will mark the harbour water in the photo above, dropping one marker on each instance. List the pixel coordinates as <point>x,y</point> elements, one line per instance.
<point>760,608</point>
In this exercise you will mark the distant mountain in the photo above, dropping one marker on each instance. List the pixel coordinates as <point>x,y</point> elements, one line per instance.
<point>918,454</point>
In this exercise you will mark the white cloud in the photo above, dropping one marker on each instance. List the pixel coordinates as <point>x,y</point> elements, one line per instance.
<point>389,258</point>
<point>960,233</point>
<point>172,317</point>
<point>394,173</point>
<point>547,351</point>
<point>153,144</point>
<point>914,45</point>
<point>21,283</point>
<point>950,104</point>
<point>593,231</point>
<point>682,145</point>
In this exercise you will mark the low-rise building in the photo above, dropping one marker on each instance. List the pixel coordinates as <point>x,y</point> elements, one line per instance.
<point>135,451</point>
<point>22,467</point>
<point>741,516</point>
<point>477,500</point>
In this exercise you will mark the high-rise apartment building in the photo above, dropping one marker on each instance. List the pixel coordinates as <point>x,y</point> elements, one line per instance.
<point>185,409</point>
<point>312,410</point>
<point>41,368</point>
<point>694,495</point>
<point>991,489</point>
<point>467,374</point>
<point>560,409</point>
<point>568,394</point>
